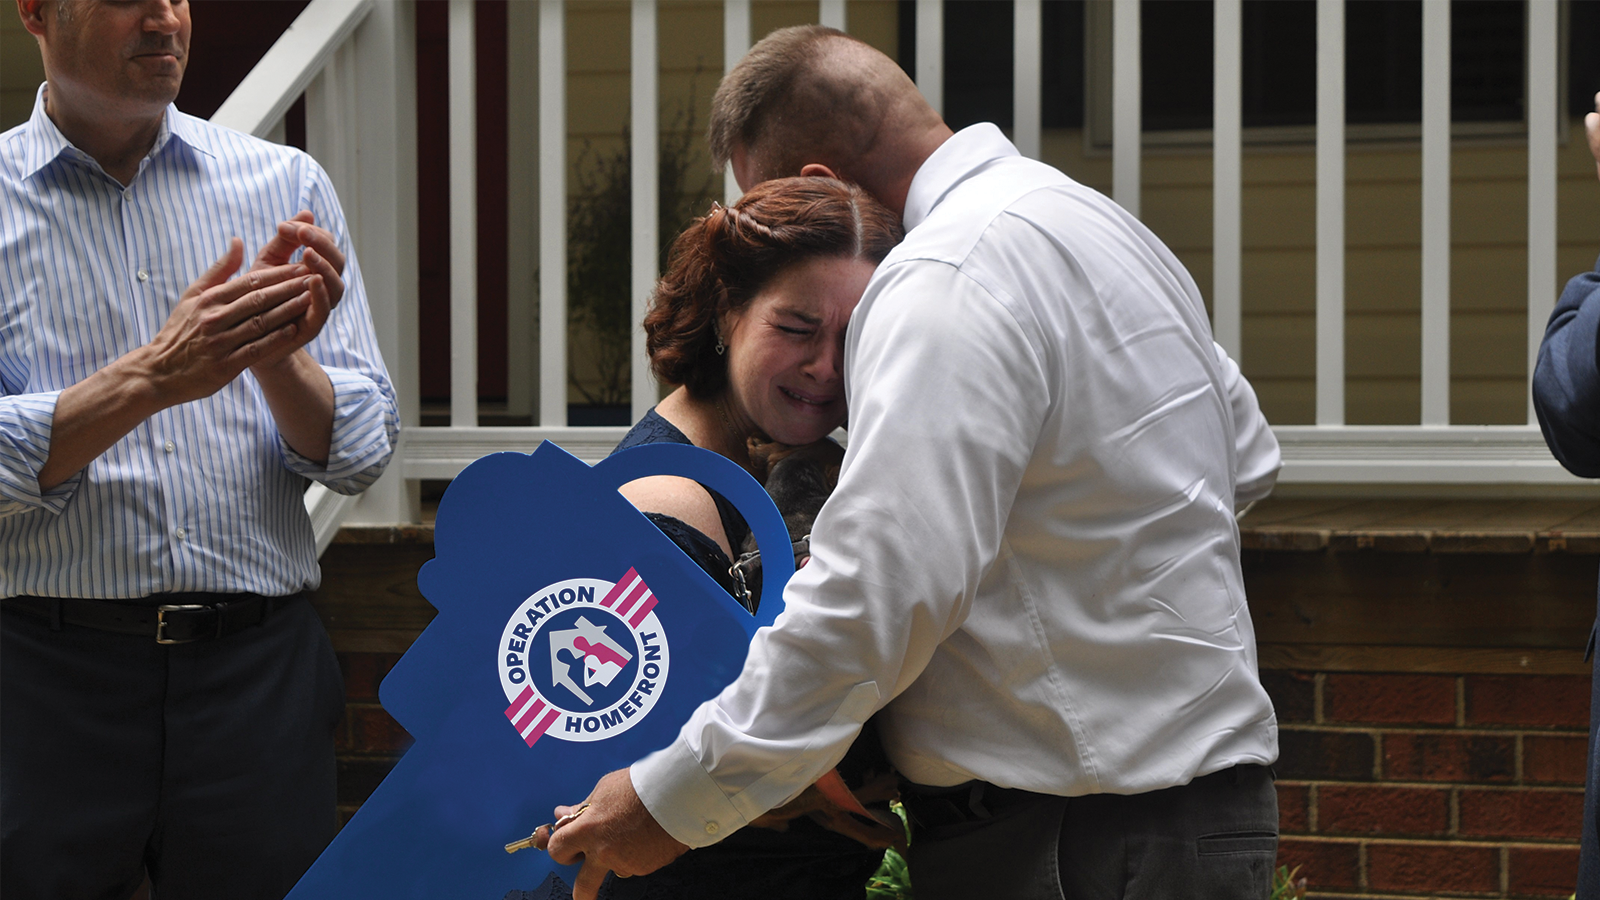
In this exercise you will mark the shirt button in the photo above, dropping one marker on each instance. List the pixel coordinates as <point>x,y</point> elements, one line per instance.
<point>711,828</point>
<point>181,533</point>
<point>169,446</point>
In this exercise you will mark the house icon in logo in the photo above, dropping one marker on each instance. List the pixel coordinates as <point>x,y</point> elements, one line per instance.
<point>602,658</point>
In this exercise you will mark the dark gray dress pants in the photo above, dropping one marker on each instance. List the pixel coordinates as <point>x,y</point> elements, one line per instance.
<point>209,765</point>
<point>1215,838</point>
<point>1589,848</point>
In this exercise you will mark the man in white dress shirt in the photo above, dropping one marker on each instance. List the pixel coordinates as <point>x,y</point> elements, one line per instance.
<point>169,694</point>
<point>1030,568</point>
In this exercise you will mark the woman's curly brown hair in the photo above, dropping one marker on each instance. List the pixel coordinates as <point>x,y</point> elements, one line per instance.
<point>723,260</point>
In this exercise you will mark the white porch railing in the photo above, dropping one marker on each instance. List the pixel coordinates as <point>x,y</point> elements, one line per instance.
<point>355,60</point>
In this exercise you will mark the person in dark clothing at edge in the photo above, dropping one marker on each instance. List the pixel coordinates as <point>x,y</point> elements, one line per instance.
<point>1566,395</point>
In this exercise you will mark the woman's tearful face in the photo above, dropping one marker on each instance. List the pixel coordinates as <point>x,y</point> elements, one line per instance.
<point>786,350</point>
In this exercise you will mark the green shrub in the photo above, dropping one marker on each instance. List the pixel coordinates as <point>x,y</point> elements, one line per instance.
<point>1284,885</point>
<point>892,881</point>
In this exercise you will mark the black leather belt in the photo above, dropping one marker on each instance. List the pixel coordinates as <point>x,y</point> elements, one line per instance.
<point>176,619</point>
<point>938,807</point>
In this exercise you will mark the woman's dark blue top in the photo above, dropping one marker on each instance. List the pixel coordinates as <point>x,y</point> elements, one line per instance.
<point>653,429</point>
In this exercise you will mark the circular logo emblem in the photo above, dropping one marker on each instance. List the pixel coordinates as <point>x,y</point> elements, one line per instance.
<point>583,659</point>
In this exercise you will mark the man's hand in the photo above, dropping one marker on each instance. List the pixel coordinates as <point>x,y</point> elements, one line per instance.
<point>218,328</point>
<point>295,386</point>
<point>322,254</point>
<point>615,834</point>
<point>323,260</point>
<point>1591,125</point>
<point>221,326</point>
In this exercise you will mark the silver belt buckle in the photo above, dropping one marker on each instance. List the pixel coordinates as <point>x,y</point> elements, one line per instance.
<point>161,620</point>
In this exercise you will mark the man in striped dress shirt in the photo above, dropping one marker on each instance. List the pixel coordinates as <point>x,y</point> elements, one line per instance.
<point>169,695</point>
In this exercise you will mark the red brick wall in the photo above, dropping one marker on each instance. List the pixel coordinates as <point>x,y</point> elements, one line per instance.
<point>368,741</point>
<point>1394,785</point>
<point>1395,781</point>
<point>1389,785</point>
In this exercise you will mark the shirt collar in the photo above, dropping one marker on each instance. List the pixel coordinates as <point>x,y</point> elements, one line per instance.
<point>958,158</point>
<point>184,128</point>
<point>44,142</point>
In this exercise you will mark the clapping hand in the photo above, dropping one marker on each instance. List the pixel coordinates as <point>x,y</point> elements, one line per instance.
<point>222,326</point>
<point>322,259</point>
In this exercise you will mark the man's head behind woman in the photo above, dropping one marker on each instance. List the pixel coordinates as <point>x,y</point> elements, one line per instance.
<point>725,259</point>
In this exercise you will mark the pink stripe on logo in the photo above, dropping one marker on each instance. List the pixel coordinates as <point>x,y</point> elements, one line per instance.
<point>527,717</point>
<point>543,726</point>
<point>622,584</point>
<point>634,596</point>
<point>517,704</point>
<point>643,610</point>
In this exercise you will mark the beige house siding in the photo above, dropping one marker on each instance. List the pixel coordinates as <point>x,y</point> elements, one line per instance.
<point>1383,266</point>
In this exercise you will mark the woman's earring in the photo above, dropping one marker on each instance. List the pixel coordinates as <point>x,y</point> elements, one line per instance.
<point>721,347</point>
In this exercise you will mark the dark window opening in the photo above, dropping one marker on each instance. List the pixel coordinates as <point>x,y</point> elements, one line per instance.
<point>1583,56</point>
<point>979,54</point>
<point>1383,61</point>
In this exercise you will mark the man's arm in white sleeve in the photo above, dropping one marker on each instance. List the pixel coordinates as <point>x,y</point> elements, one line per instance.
<point>947,395</point>
<point>1257,458</point>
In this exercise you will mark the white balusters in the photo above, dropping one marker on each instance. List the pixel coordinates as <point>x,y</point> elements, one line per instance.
<point>1330,212</point>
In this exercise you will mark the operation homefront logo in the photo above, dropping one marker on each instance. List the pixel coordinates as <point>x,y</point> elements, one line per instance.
<point>583,659</point>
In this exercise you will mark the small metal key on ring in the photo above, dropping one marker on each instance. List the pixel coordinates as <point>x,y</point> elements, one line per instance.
<point>532,840</point>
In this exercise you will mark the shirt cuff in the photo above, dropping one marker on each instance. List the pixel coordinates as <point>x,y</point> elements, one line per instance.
<point>26,422</point>
<point>683,798</point>
<point>365,425</point>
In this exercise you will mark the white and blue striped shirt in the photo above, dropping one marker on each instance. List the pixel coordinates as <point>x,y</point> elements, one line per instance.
<point>206,495</point>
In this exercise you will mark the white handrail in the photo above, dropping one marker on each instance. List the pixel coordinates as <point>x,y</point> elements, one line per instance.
<point>261,99</point>
<point>1402,454</point>
<point>1408,454</point>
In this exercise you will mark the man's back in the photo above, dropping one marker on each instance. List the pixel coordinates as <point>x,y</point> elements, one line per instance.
<point>1029,327</point>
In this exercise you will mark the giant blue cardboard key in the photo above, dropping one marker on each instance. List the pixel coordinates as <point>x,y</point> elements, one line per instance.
<point>572,638</point>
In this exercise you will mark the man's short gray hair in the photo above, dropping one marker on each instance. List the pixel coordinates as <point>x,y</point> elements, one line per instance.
<point>778,105</point>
